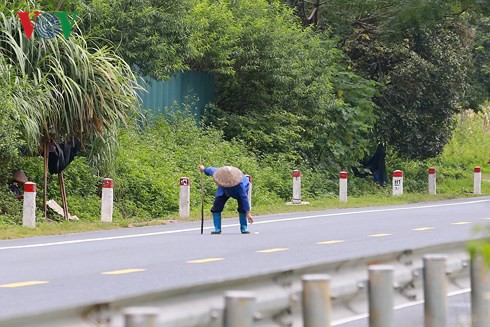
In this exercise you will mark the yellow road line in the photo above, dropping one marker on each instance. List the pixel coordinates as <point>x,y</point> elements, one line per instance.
<point>461,223</point>
<point>206,260</point>
<point>122,271</point>
<point>379,235</point>
<point>330,242</point>
<point>272,250</point>
<point>422,228</point>
<point>22,284</point>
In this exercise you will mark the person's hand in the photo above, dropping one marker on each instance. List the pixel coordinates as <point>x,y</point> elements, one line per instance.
<point>201,168</point>
<point>250,218</point>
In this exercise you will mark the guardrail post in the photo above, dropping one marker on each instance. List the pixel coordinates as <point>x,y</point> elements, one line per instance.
<point>380,296</point>
<point>141,316</point>
<point>343,186</point>
<point>477,180</point>
<point>296,187</point>
<point>107,206</point>
<point>239,309</point>
<point>435,290</point>
<point>432,181</point>
<point>397,182</point>
<point>317,304</point>
<point>480,292</point>
<point>29,205</point>
<point>185,197</point>
<point>249,194</point>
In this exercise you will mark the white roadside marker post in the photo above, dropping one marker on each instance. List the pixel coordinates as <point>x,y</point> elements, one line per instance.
<point>185,197</point>
<point>477,180</point>
<point>296,187</point>
<point>107,206</point>
<point>397,182</point>
<point>432,181</point>
<point>29,205</point>
<point>343,186</point>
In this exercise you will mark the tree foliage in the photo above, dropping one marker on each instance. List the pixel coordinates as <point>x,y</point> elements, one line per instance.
<point>289,92</point>
<point>75,92</point>
<point>479,89</point>
<point>420,52</point>
<point>151,35</point>
<point>10,138</point>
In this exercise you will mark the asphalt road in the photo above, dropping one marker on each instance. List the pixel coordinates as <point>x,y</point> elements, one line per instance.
<point>45,273</point>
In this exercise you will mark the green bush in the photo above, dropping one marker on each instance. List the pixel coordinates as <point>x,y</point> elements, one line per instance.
<point>469,147</point>
<point>151,162</point>
<point>470,144</point>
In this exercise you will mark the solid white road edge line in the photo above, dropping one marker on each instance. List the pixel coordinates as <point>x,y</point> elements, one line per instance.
<point>234,225</point>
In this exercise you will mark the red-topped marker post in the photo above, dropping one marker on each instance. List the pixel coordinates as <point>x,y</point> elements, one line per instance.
<point>107,206</point>
<point>343,186</point>
<point>296,187</point>
<point>477,180</point>
<point>397,182</point>
<point>432,181</point>
<point>185,197</point>
<point>29,206</point>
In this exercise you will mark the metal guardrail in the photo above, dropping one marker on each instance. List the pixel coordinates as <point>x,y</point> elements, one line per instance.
<point>277,294</point>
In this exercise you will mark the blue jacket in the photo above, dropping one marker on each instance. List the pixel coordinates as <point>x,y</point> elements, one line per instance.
<point>238,192</point>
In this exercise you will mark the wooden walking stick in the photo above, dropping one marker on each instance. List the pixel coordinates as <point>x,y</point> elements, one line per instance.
<point>202,196</point>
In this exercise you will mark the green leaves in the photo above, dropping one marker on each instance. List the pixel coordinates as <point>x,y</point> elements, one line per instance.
<point>282,97</point>
<point>151,35</point>
<point>65,89</point>
<point>420,53</point>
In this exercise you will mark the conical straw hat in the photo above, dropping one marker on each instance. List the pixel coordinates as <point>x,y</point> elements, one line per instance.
<point>228,176</point>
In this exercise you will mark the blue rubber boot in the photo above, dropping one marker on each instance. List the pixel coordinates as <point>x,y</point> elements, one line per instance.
<point>217,223</point>
<point>243,223</point>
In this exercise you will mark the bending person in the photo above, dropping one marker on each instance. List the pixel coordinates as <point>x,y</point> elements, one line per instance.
<point>232,183</point>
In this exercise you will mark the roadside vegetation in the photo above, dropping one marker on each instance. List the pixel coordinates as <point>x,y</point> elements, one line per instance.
<point>291,93</point>
<point>151,160</point>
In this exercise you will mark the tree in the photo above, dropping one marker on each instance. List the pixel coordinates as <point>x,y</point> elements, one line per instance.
<point>419,52</point>
<point>77,94</point>
<point>150,35</point>
<point>289,93</point>
<point>478,90</point>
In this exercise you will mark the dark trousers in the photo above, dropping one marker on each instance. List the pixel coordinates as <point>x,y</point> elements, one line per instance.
<point>220,201</point>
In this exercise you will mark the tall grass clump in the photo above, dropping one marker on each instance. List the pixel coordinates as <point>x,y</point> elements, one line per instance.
<point>468,147</point>
<point>470,144</point>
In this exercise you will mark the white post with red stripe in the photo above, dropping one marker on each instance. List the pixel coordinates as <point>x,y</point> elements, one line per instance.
<point>296,187</point>
<point>397,182</point>
<point>343,186</point>
<point>107,206</point>
<point>477,180</point>
<point>185,197</point>
<point>432,181</point>
<point>249,194</point>
<point>29,207</point>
